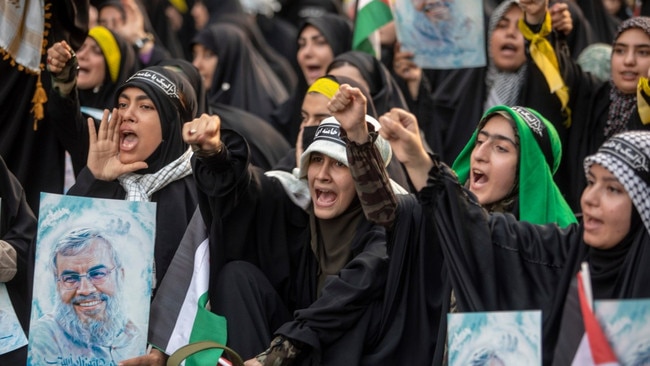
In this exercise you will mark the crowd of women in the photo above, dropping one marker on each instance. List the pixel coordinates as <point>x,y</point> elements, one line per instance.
<point>351,202</point>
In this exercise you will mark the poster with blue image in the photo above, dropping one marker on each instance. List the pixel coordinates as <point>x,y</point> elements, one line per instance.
<point>505,338</point>
<point>92,281</point>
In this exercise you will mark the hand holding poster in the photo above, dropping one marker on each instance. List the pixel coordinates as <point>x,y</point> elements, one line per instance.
<point>92,281</point>
<point>443,34</point>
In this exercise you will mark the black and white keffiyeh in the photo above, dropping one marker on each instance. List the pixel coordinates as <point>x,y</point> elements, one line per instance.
<point>503,86</point>
<point>140,187</point>
<point>627,156</point>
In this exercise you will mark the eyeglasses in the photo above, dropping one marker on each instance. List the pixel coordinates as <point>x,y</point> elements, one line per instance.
<point>96,277</point>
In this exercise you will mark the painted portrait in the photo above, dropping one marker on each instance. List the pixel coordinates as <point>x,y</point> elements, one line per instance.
<point>11,333</point>
<point>92,281</point>
<point>443,34</point>
<point>626,324</point>
<point>500,338</point>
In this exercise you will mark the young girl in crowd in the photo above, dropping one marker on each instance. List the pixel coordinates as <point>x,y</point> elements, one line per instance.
<point>139,155</point>
<point>234,73</point>
<point>509,162</point>
<point>508,165</point>
<point>603,109</point>
<point>320,39</point>
<point>495,262</point>
<point>459,98</point>
<point>312,280</point>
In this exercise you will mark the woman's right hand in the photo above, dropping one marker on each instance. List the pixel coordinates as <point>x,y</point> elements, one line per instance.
<point>58,56</point>
<point>406,69</point>
<point>203,134</point>
<point>400,129</point>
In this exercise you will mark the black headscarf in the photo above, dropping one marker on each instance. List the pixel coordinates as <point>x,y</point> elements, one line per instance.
<point>336,29</point>
<point>622,106</point>
<point>280,66</point>
<point>242,78</point>
<point>385,92</point>
<point>623,268</point>
<point>191,73</point>
<point>176,103</point>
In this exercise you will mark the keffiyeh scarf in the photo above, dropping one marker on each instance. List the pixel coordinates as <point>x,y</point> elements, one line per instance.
<point>140,187</point>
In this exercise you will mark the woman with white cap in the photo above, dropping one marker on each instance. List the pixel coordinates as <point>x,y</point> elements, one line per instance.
<point>311,281</point>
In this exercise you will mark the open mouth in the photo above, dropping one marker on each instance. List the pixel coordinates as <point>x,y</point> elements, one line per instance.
<point>128,140</point>
<point>509,47</point>
<point>478,177</point>
<point>325,197</point>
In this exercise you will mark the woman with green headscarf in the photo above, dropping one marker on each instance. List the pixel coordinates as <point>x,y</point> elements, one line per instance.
<point>509,163</point>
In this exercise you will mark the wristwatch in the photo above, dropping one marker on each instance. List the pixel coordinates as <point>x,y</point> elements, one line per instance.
<point>140,42</point>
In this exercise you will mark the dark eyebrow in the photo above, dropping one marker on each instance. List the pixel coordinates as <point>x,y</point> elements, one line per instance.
<point>137,98</point>
<point>498,137</point>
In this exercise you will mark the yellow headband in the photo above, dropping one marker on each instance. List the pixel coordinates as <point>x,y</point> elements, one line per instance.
<point>325,86</point>
<point>110,49</point>
<point>180,5</point>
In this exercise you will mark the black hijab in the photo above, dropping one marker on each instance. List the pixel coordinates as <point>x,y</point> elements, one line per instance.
<point>175,102</point>
<point>241,78</point>
<point>385,91</point>
<point>280,66</point>
<point>337,30</point>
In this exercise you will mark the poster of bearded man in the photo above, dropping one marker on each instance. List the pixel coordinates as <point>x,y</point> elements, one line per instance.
<point>92,281</point>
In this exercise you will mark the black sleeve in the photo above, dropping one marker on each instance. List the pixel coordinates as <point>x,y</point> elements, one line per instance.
<point>495,261</point>
<point>87,185</point>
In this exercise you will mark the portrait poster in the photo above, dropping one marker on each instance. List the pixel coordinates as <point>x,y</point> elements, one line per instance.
<point>626,324</point>
<point>92,281</point>
<point>442,34</point>
<point>12,335</point>
<point>506,338</point>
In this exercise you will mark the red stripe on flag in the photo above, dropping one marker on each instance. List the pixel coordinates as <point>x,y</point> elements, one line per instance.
<point>601,351</point>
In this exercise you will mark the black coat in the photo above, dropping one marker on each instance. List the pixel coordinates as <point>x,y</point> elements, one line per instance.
<point>251,218</point>
<point>496,262</point>
<point>18,228</point>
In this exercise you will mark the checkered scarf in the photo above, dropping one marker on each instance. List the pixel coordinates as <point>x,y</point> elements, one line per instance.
<point>627,156</point>
<point>140,187</point>
<point>622,106</point>
<point>503,86</point>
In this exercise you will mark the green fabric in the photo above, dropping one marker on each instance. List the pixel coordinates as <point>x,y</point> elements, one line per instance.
<point>207,327</point>
<point>540,200</point>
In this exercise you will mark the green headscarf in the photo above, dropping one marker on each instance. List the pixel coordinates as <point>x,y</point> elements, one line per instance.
<point>540,152</point>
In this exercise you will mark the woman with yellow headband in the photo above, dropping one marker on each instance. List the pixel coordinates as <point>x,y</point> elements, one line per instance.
<point>313,111</point>
<point>84,81</point>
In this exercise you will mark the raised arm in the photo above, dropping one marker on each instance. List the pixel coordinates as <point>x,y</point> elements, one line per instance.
<point>401,130</point>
